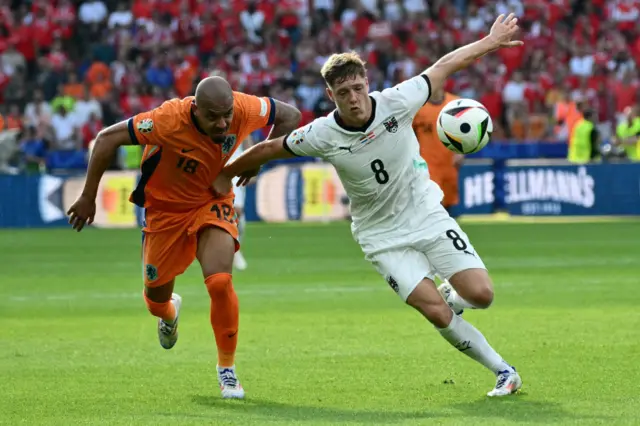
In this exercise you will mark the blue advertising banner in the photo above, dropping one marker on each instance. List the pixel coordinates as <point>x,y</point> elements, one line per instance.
<point>477,189</point>
<point>31,201</point>
<point>312,191</point>
<point>568,190</point>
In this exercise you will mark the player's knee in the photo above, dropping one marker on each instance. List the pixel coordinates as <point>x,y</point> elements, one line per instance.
<point>482,292</point>
<point>484,296</point>
<point>219,285</point>
<point>212,268</point>
<point>474,286</point>
<point>158,298</point>
<point>159,294</point>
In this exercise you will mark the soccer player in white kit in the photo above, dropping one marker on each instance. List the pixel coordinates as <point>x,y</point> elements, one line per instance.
<point>397,215</point>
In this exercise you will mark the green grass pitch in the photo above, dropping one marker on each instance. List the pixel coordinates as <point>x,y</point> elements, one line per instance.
<point>323,339</point>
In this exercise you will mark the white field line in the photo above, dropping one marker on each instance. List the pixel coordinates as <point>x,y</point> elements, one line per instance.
<point>249,292</point>
<point>523,285</point>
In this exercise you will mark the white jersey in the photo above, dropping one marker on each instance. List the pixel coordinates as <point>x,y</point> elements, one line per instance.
<point>379,164</point>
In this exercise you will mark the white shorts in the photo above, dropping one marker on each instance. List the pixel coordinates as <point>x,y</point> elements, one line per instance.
<point>240,194</point>
<point>406,260</point>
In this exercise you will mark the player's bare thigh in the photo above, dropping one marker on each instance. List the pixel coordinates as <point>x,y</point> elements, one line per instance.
<point>216,248</point>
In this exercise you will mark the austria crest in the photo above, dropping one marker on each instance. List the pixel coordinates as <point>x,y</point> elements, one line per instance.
<point>391,124</point>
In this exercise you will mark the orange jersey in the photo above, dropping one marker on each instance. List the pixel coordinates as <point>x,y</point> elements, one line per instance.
<point>424,125</point>
<point>180,162</point>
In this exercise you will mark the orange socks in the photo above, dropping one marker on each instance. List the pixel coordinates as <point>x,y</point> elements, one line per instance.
<point>224,316</point>
<point>164,310</point>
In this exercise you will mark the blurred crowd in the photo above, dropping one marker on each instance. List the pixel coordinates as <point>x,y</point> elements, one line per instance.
<point>68,68</point>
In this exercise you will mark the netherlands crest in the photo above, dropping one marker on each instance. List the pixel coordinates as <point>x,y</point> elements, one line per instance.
<point>228,144</point>
<point>151,272</point>
<point>145,126</point>
<point>391,124</point>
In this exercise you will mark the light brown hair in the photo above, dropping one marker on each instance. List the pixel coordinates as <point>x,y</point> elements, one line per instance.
<point>342,66</point>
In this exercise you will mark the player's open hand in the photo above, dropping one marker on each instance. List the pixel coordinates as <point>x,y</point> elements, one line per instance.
<point>82,212</point>
<point>503,30</point>
<point>245,178</point>
<point>222,185</point>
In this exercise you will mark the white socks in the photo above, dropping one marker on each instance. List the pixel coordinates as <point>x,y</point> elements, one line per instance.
<point>468,340</point>
<point>458,301</point>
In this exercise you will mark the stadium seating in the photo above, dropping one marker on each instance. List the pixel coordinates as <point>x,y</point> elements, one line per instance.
<point>107,60</point>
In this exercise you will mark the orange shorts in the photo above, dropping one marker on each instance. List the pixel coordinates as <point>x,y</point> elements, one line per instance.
<point>447,180</point>
<point>170,240</point>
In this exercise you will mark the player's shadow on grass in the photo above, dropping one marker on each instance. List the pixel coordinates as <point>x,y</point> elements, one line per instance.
<point>519,408</point>
<point>299,413</point>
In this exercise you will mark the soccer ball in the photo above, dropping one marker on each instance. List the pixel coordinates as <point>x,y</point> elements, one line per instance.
<point>464,126</point>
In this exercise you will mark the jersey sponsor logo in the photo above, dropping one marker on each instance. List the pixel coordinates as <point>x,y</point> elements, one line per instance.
<point>145,126</point>
<point>539,184</point>
<point>151,272</point>
<point>263,107</point>
<point>393,283</point>
<point>391,124</point>
<point>228,144</point>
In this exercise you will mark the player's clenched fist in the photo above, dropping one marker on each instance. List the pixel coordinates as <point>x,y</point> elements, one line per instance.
<point>81,212</point>
<point>222,184</point>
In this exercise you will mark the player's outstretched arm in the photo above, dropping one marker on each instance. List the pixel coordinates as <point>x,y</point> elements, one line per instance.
<point>259,154</point>
<point>105,147</point>
<point>502,31</point>
<point>287,119</point>
<point>252,159</point>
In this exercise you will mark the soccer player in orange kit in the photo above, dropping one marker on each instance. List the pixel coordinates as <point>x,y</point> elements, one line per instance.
<point>187,142</point>
<point>443,164</point>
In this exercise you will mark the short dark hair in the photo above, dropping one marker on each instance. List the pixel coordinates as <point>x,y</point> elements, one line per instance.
<point>341,66</point>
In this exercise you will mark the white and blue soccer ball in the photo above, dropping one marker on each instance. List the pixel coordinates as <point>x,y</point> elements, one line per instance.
<point>464,126</point>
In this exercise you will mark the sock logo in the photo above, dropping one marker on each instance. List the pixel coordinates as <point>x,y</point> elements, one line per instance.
<point>151,272</point>
<point>232,334</point>
<point>463,346</point>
